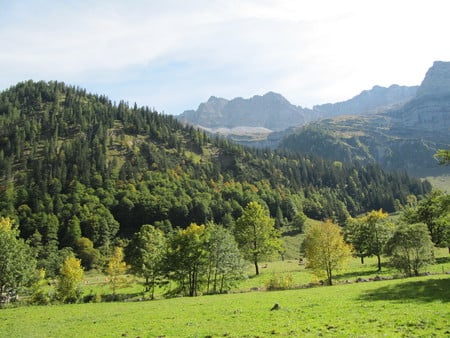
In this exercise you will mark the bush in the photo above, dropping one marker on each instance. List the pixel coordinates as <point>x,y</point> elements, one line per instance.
<point>280,282</point>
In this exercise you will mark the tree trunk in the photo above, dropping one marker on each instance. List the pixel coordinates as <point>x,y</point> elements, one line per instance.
<point>329,273</point>
<point>362,259</point>
<point>379,262</point>
<point>256,267</point>
<point>153,288</point>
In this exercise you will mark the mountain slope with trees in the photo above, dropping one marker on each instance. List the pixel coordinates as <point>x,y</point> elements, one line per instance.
<point>78,173</point>
<point>403,138</point>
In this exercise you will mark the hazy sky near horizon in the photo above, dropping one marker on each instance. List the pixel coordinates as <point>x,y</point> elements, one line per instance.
<point>174,54</point>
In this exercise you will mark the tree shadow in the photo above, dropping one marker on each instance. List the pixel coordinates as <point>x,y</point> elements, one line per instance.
<point>421,291</point>
<point>443,260</point>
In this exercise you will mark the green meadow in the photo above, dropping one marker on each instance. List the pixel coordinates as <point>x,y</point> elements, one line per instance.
<point>418,307</point>
<point>400,307</point>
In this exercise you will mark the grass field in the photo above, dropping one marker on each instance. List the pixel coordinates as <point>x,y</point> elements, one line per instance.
<point>412,307</point>
<point>418,307</point>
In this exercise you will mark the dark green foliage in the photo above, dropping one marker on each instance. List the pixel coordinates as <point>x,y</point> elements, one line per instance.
<point>74,165</point>
<point>410,248</point>
<point>434,211</point>
<point>202,259</point>
<point>145,253</point>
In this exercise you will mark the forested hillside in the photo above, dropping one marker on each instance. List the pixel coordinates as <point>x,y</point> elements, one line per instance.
<point>73,165</point>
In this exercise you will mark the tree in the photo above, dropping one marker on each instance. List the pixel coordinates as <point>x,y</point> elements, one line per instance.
<point>39,289</point>
<point>434,211</point>
<point>443,156</point>
<point>116,270</point>
<point>369,234</point>
<point>187,259</point>
<point>17,262</point>
<point>146,253</point>
<point>410,248</point>
<point>357,233</point>
<point>69,279</point>
<point>87,253</point>
<point>325,249</point>
<point>256,235</point>
<point>225,264</point>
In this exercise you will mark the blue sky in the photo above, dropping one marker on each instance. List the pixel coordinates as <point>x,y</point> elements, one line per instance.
<point>173,54</point>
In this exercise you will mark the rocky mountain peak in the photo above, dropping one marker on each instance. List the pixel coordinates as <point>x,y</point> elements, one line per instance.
<point>436,81</point>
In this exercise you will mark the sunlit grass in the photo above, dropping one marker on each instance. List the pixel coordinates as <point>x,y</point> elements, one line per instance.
<point>404,307</point>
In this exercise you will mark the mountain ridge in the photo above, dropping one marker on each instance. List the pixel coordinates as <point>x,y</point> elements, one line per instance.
<point>275,113</point>
<point>402,138</point>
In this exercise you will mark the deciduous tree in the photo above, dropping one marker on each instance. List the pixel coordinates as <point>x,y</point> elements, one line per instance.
<point>256,235</point>
<point>116,270</point>
<point>434,211</point>
<point>225,264</point>
<point>325,249</point>
<point>68,285</point>
<point>187,259</point>
<point>17,262</point>
<point>369,234</point>
<point>410,248</point>
<point>146,253</point>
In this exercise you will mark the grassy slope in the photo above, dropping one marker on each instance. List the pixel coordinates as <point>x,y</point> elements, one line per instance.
<point>401,307</point>
<point>441,182</point>
<point>365,309</point>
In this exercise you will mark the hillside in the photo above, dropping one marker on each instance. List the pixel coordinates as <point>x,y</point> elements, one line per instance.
<point>75,164</point>
<point>402,138</point>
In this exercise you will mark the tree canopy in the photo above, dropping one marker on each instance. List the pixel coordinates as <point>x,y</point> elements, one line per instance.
<point>256,235</point>
<point>325,249</point>
<point>410,248</point>
<point>17,262</point>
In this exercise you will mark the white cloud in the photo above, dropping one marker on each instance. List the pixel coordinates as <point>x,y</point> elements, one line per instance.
<point>174,54</point>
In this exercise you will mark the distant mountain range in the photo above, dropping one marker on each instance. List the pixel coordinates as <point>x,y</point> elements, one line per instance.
<point>273,112</point>
<point>399,127</point>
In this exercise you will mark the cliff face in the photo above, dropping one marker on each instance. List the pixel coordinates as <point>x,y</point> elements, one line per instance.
<point>369,101</point>
<point>271,111</point>
<point>436,81</point>
<point>428,114</point>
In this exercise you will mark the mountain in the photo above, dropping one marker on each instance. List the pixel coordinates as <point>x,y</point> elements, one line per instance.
<point>402,138</point>
<point>369,101</point>
<point>250,121</point>
<point>270,111</point>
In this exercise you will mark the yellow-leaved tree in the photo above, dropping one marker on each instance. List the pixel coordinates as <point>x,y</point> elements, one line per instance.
<point>116,270</point>
<point>325,249</point>
<point>70,277</point>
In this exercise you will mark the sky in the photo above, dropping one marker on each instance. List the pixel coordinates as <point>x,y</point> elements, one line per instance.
<point>172,55</point>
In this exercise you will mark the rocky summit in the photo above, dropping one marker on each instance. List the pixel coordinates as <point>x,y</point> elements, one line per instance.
<point>436,81</point>
<point>271,111</point>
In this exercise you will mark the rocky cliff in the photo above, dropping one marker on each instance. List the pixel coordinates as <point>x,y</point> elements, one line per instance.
<point>436,81</point>
<point>274,113</point>
<point>369,101</point>
<point>271,111</point>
